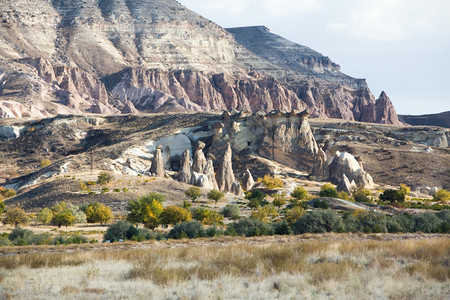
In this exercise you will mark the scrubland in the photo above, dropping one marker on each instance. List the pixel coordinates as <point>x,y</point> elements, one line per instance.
<point>310,269</point>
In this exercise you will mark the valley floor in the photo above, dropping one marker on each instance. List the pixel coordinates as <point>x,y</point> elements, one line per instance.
<point>323,266</point>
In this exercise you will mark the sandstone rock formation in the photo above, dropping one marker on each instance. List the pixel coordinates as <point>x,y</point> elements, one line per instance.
<point>345,164</point>
<point>206,179</point>
<point>199,158</point>
<point>237,189</point>
<point>247,181</point>
<point>87,57</point>
<point>225,175</point>
<point>184,175</point>
<point>157,168</point>
<point>345,185</point>
<point>129,108</point>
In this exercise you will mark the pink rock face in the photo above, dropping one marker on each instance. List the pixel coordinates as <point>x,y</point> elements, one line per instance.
<point>381,111</point>
<point>12,109</point>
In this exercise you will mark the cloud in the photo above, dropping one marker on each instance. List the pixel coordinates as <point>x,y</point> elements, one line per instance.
<point>390,20</point>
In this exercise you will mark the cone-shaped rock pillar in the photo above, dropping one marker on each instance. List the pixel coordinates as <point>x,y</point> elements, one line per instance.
<point>157,168</point>
<point>184,175</point>
<point>199,158</point>
<point>225,175</point>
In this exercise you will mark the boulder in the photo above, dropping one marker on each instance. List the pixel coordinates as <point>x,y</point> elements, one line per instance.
<point>247,181</point>
<point>225,176</point>
<point>345,164</point>
<point>157,168</point>
<point>184,175</point>
<point>199,158</point>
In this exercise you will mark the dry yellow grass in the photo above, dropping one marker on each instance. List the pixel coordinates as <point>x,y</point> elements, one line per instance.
<point>351,269</point>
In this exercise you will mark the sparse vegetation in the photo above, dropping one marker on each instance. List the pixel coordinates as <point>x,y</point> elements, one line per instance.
<point>104,178</point>
<point>45,163</point>
<point>361,195</point>
<point>271,182</point>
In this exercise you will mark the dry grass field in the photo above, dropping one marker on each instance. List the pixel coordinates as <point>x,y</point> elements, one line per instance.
<point>325,267</point>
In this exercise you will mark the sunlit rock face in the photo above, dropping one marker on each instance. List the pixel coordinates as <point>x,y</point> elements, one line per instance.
<point>113,56</point>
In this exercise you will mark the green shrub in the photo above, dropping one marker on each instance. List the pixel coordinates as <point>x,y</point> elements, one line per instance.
<point>270,182</point>
<point>343,195</point>
<point>62,214</point>
<point>190,230</point>
<point>442,195</point>
<point>40,239</point>
<point>231,211</point>
<point>4,241</point>
<point>319,221</point>
<point>279,200</point>
<point>299,193</point>
<point>117,231</point>
<point>2,206</point>
<point>371,221</point>
<point>293,215</point>
<point>264,214</point>
<point>328,190</point>
<point>256,198</point>
<point>207,216</point>
<point>104,178</point>
<point>174,215</point>
<point>249,227</point>
<point>104,190</point>
<point>116,190</point>
<point>77,239</point>
<point>426,222</point>
<point>193,193</point>
<point>125,190</point>
<point>19,233</point>
<point>392,196</point>
<point>361,194</point>
<point>215,195</point>
<point>320,204</point>
<point>281,228</point>
<point>213,231</point>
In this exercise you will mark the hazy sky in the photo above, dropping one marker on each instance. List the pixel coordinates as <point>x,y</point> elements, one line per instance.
<point>399,46</point>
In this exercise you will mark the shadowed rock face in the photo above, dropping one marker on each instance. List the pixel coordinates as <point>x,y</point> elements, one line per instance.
<point>157,168</point>
<point>247,181</point>
<point>209,172</point>
<point>184,175</point>
<point>94,56</point>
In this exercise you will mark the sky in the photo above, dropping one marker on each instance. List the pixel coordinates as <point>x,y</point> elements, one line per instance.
<point>401,47</point>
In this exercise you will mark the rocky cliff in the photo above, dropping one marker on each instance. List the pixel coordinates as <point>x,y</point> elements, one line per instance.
<point>108,56</point>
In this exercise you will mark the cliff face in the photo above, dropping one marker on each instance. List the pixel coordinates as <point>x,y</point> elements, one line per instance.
<point>99,56</point>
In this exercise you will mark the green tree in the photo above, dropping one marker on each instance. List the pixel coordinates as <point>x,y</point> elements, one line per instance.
<point>145,208</point>
<point>256,198</point>
<point>405,189</point>
<point>392,196</point>
<point>104,178</point>
<point>299,193</point>
<point>2,206</point>
<point>328,190</point>
<point>44,216</point>
<point>15,216</point>
<point>361,194</point>
<point>98,213</point>
<point>173,215</point>
<point>293,215</point>
<point>215,195</point>
<point>193,193</point>
<point>264,214</point>
<point>442,195</point>
<point>62,215</point>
